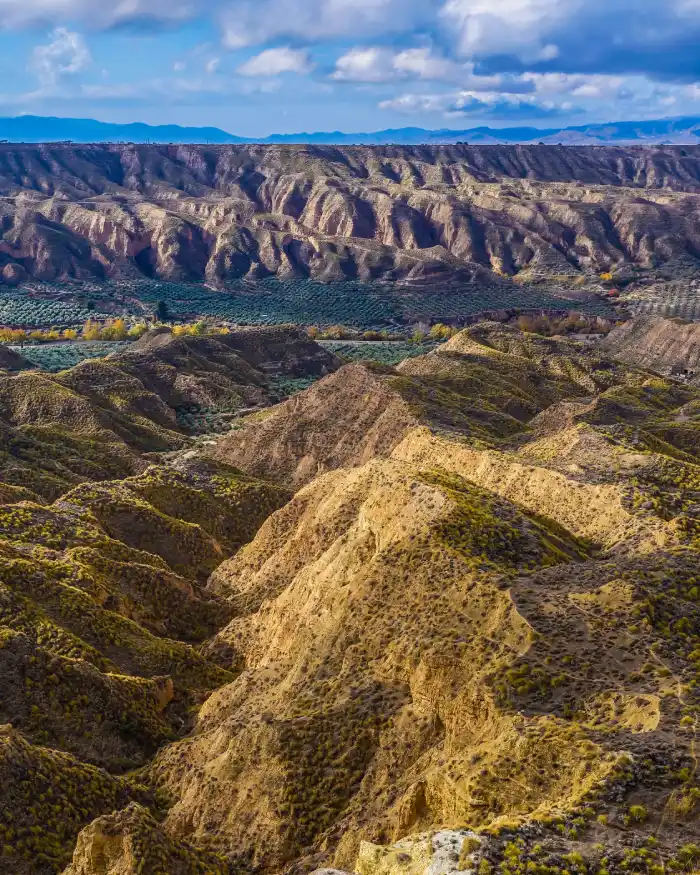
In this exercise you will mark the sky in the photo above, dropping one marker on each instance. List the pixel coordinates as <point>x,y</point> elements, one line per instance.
<point>255,67</point>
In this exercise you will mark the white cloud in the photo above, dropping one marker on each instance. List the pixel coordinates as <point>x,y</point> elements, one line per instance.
<point>212,65</point>
<point>466,102</point>
<point>253,22</point>
<point>273,62</point>
<point>425,65</point>
<point>66,54</point>
<point>576,85</point>
<point>519,27</point>
<point>413,103</point>
<point>365,65</point>
<point>376,64</point>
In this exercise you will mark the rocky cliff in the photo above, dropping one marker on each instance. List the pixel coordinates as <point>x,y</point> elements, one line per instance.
<point>224,212</point>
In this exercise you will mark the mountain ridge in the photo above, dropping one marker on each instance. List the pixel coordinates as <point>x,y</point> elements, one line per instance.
<point>35,129</point>
<point>221,213</point>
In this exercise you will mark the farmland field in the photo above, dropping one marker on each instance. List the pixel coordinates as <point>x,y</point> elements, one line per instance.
<point>56,357</point>
<point>268,302</point>
<point>18,309</point>
<point>357,305</point>
<point>671,299</point>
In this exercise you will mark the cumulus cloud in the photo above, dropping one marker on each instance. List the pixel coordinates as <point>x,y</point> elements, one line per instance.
<point>253,22</point>
<point>365,65</point>
<point>576,85</point>
<point>569,36</point>
<point>468,103</point>
<point>65,54</point>
<point>520,27</point>
<point>599,36</point>
<point>378,64</point>
<point>273,62</point>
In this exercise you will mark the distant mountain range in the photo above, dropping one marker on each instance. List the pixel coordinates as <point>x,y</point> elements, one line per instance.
<point>37,129</point>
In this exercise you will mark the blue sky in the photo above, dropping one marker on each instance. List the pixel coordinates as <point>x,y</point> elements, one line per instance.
<point>255,67</point>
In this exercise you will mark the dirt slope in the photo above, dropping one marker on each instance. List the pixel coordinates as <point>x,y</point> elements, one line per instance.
<point>485,384</point>
<point>106,547</point>
<point>658,343</point>
<point>419,653</point>
<point>13,361</point>
<point>95,420</point>
<point>224,212</point>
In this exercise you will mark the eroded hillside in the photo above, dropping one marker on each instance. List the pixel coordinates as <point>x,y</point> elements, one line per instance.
<point>482,615</point>
<point>224,212</point>
<point>106,544</point>
<point>467,641</point>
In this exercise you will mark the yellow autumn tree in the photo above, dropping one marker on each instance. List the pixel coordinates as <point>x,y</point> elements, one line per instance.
<point>91,330</point>
<point>440,331</point>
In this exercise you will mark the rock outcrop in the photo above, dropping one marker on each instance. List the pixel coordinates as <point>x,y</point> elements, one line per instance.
<point>132,842</point>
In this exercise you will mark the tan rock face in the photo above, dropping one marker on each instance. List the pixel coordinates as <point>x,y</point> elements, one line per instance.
<point>224,212</point>
<point>132,842</point>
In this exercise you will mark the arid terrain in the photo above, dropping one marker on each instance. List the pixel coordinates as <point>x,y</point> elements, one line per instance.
<point>417,620</point>
<point>221,213</point>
